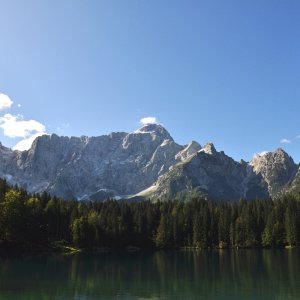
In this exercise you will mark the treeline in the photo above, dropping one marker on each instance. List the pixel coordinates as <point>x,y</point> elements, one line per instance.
<point>43,220</point>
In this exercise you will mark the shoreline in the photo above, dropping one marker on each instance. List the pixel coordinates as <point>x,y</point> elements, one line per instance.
<point>17,248</point>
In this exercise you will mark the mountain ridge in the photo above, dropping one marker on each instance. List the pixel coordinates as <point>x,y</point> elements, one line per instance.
<point>148,163</point>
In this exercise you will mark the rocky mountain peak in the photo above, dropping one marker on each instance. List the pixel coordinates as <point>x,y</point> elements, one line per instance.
<point>209,148</point>
<point>44,139</point>
<point>264,159</point>
<point>281,153</point>
<point>189,150</point>
<point>194,145</point>
<point>277,168</point>
<point>156,129</point>
<point>192,148</point>
<point>123,164</point>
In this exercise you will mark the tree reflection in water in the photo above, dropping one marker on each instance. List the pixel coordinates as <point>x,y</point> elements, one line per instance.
<point>227,274</point>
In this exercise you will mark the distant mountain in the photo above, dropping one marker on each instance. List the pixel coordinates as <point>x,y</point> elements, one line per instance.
<point>147,163</point>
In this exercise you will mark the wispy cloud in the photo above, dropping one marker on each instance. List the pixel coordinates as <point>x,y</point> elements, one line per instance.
<point>285,141</point>
<point>5,102</point>
<point>298,136</point>
<point>148,120</point>
<point>15,126</point>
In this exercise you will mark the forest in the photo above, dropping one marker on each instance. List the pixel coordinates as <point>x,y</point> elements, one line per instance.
<point>41,221</point>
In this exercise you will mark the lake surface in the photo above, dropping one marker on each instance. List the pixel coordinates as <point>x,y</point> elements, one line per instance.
<point>243,274</point>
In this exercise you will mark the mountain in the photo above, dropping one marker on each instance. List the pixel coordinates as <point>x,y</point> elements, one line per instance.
<point>110,165</point>
<point>277,168</point>
<point>146,163</point>
<point>212,174</point>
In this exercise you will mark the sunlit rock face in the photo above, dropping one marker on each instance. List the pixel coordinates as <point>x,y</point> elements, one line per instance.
<point>73,167</point>
<point>277,168</point>
<point>148,163</point>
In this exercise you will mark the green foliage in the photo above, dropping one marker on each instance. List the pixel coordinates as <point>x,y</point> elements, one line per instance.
<point>45,220</point>
<point>12,215</point>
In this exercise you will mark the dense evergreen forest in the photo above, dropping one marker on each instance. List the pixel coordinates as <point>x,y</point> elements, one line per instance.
<point>42,221</point>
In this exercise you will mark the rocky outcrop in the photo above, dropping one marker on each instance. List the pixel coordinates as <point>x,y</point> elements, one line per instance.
<point>277,169</point>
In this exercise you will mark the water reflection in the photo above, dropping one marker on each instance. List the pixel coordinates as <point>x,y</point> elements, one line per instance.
<point>246,274</point>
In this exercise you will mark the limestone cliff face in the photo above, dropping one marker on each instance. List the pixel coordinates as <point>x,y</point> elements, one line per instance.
<point>277,168</point>
<point>147,162</point>
<point>118,163</point>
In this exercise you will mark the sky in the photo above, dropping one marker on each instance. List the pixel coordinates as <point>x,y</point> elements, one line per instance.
<point>220,71</point>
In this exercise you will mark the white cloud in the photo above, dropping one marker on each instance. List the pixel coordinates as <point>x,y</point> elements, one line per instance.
<point>14,126</point>
<point>285,141</point>
<point>5,102</point>
<point>298,136</point>
<point>26,143</point>
<point>148,120</point>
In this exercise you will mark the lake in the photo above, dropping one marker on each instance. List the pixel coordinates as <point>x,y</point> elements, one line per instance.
<point>227,274</point>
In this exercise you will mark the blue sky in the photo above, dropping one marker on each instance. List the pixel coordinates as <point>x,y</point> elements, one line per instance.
<point>221,71</point>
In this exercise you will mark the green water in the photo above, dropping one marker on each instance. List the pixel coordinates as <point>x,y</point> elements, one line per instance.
<point>244,274</point>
